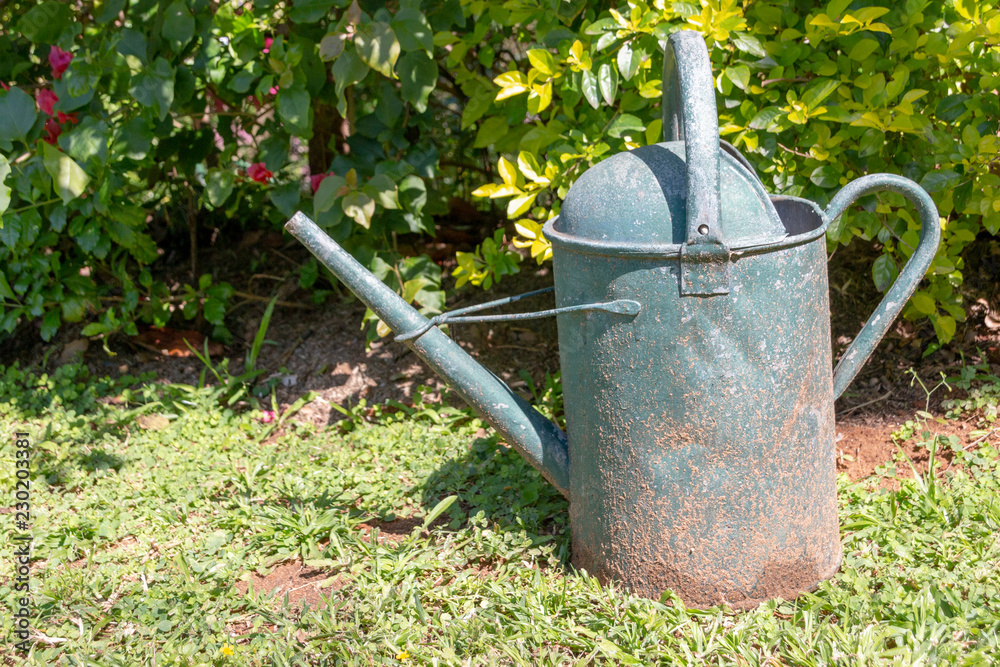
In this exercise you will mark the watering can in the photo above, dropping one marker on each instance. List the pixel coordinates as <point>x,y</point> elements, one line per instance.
<point>694,340</point>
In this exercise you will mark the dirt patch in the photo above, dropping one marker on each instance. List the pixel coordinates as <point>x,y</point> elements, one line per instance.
<point>397,530</point>
<point>298,581</point>
<point>863,444</point>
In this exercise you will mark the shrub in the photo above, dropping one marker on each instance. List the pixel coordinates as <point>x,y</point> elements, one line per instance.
<point>814,96</point>
<point>131,116</point>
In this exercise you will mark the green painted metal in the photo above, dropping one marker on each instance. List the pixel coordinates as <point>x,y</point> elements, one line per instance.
<point>701,427</point>
<point>621,306</point>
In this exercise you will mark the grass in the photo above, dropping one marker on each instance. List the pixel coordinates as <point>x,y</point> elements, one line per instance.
<point>149,510</point>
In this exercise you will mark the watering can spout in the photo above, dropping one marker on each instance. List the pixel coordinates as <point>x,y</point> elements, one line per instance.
<point>541,442</point>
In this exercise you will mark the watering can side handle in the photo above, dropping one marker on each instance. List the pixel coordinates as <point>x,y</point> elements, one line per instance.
<point>906,284</point>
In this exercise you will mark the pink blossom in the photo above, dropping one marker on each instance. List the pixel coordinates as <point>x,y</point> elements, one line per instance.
<point>259,172</point>
<point>267,416</point>
<point>45,98</point>
<point>59,60</point>
<point>67,117</point>
<point>52,131</point>
<point>316,179</point>
<point>4,86</point>
<point>267,44</point>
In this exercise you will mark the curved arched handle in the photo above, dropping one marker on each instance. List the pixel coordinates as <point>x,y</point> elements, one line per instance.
<point>690,115</point>
<point>906,284</point>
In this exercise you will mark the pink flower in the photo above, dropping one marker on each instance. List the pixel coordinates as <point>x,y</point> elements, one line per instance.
<point>316,179</point>
<point>52,131</point>
<point>67,117</point>
<point>273,90</point>
<point>259,172</point>
<point>268,41</point>
<point>59,60</point>
<point>45,99</point>
<point>267,416</point>
<point>4,86</point>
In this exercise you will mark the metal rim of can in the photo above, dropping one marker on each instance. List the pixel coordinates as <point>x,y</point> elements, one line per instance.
<point>667,250</point>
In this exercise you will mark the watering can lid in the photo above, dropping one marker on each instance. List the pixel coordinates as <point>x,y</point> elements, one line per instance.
<point>638,199</point>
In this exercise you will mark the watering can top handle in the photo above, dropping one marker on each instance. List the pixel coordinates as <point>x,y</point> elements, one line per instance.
<point>906,284</point>
<point>690,115</point>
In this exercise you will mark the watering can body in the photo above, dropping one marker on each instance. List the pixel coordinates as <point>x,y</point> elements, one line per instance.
<point>694,337</point>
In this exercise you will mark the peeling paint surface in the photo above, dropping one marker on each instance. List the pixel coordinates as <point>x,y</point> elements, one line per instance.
<point>701,432</point>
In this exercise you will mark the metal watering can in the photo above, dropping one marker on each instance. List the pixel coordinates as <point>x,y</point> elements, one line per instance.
<point>694,339</point>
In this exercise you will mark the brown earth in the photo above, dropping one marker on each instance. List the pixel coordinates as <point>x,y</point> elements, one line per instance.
<point>301,584</point>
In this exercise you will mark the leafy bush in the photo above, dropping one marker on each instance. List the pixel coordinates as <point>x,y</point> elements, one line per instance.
<point>117,118</point>
<point>132,123</point>
<point>814,96</point>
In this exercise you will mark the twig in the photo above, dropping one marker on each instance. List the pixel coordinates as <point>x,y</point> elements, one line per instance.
<point>793,151</point>
<point>861,405</point>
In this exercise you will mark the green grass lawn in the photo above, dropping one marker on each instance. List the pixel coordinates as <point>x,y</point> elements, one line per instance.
<point>152,513</point>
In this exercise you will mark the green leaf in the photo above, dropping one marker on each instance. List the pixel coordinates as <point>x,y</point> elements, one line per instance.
<point>138,137</point>
<point>818,92</point>
<point>4,189</point>
<point>43,23</point>
<point>17,114</point>
<point>748,44</point>
<point>739,75</point>
<point>871,142</point>
<point>89,140</point>
<point>69,179</point>
<point>377,46</point>
<point>154,87</point>
<point>936,181</point>
<point>294,109</point>
<point>629,60</point>
<point>543,61</point>
<point>924,303</point>
<point>310,11</point>
<point>50,324</point>
<point>607,79</point>
<point>491,131</point>
<point>826,176</point>
<point>438,510</point>
<point>285,198</point>
<point>347,70</point>
<point>327,193</point>
<point>951,107</point>
<point>5,290</point>
<point>884,272</point>
<point>383,190</point>
<point>863,49</point>
<point>219,185</point>
<point>625,124</point>
<point>480,99</point>
<point>763,119</point>
<point>359,206</point>
<point>178,25</point>
<point>73,308</point>
<point>214,310</point>
<point>588,82</point>
<point>944,327</point>
<point>418,75</point>
<point>332,45</point>
<point>412,30</point>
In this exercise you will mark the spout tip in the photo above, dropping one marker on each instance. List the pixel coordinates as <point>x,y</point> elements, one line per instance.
<point>298,220</point>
